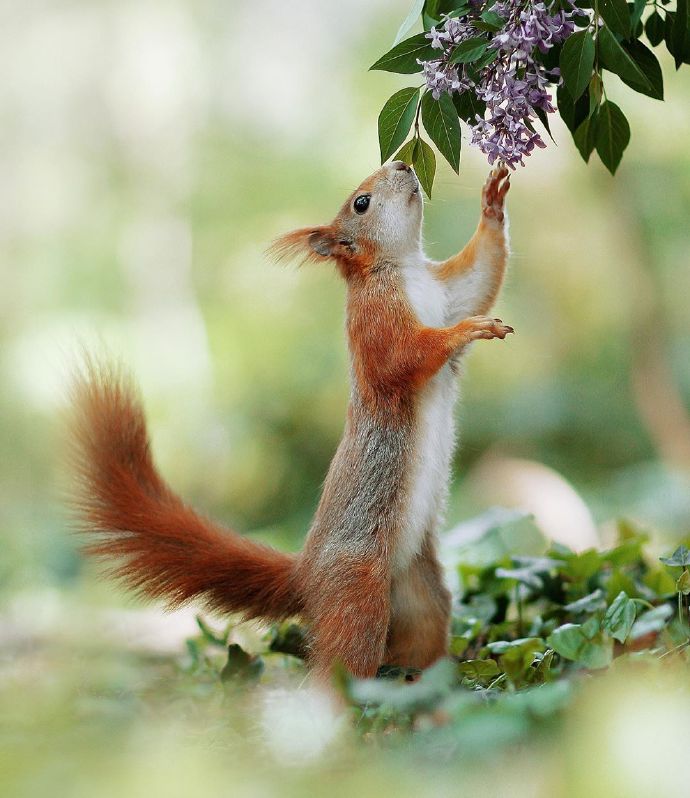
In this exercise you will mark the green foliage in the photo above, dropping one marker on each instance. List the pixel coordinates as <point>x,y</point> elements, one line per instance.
<point>577,61</point>
<point>404,56</point>
<point>555,595</point>
<point>420,155</point>
<point>609,38</point>
<point>396,119</point>
<point>441,122</point>
<point>612,135</point>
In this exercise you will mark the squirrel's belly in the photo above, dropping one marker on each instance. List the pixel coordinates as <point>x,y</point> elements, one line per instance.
<point>429,474</point>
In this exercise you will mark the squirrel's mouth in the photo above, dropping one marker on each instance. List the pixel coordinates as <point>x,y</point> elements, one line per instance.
<point>415,190</point>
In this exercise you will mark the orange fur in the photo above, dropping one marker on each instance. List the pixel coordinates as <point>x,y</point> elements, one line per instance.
<point>139,521</point>
<point>361,608</point>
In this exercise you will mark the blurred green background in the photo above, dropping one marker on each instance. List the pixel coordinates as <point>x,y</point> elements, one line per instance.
<point>149,153</point>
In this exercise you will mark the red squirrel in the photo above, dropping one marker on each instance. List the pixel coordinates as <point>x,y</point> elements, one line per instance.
<point>368,583</point>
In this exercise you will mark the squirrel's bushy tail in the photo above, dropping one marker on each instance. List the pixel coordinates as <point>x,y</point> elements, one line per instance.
<point>162,547</point>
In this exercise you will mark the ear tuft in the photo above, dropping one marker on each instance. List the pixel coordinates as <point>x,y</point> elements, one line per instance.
<point>309,243</point>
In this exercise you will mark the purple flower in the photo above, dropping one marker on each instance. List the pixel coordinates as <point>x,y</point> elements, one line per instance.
<point>514,85</point>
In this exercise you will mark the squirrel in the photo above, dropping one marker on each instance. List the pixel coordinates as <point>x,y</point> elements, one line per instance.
<point>368,583</point>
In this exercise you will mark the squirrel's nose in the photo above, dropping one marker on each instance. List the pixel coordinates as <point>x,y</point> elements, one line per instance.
<point>401,166</point>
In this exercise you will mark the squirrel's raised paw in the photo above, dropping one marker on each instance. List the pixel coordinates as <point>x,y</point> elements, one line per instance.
<point>494,193</point>
<point>485,327</point>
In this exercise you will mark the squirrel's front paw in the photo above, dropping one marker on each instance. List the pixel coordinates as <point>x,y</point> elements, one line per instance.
<point>483,327</point>
<point>494,193</point>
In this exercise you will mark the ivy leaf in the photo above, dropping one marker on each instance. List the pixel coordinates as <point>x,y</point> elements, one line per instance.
<point>567,640</point>
<point>424,162</point>
<point>571,642</point>
<point>680,557</point>
<point>469,106</point>
<point>469,50</point>
<point>412,16</point>
<point>241,666</point>
<point>395,120</point>
<point>634,64</point>
<point>441,122</point>
<point>577,62</point>
<point>590,603</point>
<point>652,621</point>
<point>620,617</point>
<point>524,575</point>
<point>654,28</point>
<point>612,135</point>
<point>403,57</point>
<point>479,669</point>
<point>616,15</point>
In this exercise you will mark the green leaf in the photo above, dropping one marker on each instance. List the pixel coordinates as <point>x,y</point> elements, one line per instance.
<point>616,15</point>
<point>524,575</point>
<point>490,21</point>
<point>612,135</point>
<point>590,603</point>
<point>597,654</point>
<point>403,57</point>
<point>634,64</point>
<point>424,162</point>
<point>652,621</point>
<point>660,582</point>
<point>209,635</point>
<point>425,694</point>
<point>649,64</point>
<point>517,659</point>
<point>571,642</point>
<point>241,666</point>
<point>396,119</point>
<point>567,640</point>
<point>585,137</point>
<point>620,617</point>
<point>681,32</point>
<point>406,152</point>
<point>654,28</point>
<point>469,50</point>
<point>412,16</point>
<point>596,92</point>
<point>590,628</point>
<point>441,122</point>
<point>577,62</point>
<point>680,53</point>
<point>544,119</point>
<point>680,557</point>
<point>479,669</point>
<point>485,60</point>
<point>573,113</point>
<point>638,8</point>
<point>469,106</point>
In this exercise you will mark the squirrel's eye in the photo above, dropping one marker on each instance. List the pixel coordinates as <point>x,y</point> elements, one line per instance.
<point>362,203</point>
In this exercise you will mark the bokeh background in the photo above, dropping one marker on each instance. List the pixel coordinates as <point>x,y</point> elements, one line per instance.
<point>149,152</point>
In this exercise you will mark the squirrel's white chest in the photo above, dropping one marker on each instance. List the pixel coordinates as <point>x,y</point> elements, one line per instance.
<point>434,435</point>
<point>425,293</point>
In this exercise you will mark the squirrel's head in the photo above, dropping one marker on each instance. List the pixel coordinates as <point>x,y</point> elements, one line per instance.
<point>382,219</point>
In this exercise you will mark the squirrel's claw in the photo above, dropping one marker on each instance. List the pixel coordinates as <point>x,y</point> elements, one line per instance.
<point>494,193</point>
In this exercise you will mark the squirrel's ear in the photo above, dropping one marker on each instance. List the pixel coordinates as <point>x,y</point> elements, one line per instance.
<point>311,243</point>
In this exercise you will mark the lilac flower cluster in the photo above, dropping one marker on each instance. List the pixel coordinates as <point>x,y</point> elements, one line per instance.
<point>513,85</point>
